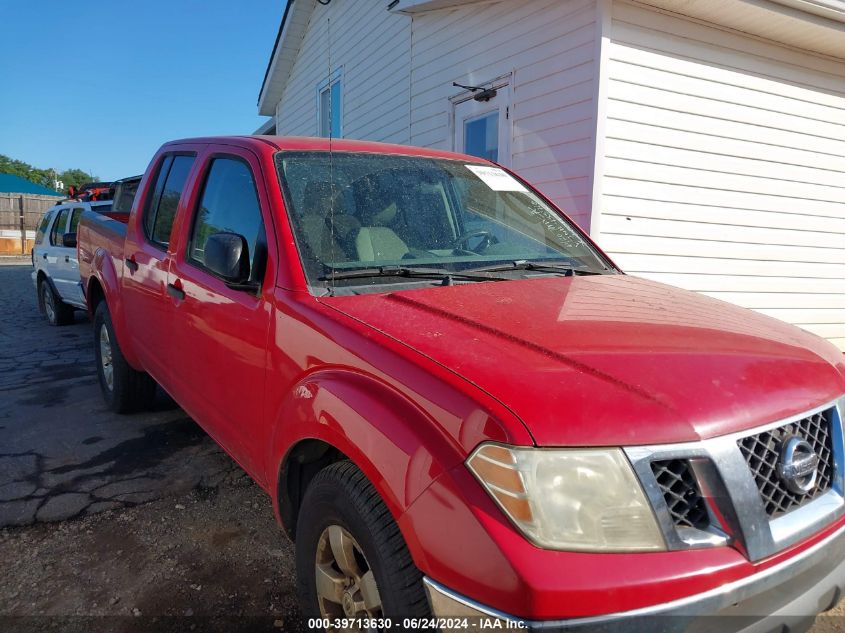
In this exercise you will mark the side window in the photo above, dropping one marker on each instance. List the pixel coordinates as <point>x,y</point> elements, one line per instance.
<point>59,228</point>
<point>42,228</point>
<point>74,220</point>
<point>155,195</point>
<point>161,211</point>
<point>229,204</point>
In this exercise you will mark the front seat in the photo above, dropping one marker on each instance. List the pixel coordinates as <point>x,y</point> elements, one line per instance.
<point>377,241</point>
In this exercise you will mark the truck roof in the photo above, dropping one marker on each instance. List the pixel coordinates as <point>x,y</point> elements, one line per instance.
<point>261,144</point>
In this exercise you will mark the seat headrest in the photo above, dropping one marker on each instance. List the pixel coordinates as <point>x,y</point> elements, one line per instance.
<point>318,198</point>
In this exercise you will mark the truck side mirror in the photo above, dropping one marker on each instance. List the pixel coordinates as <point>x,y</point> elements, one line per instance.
<point>227,256</point>
<point>69,240</point>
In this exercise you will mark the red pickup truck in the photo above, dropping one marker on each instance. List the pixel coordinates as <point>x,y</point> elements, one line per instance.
<point>460,407</point>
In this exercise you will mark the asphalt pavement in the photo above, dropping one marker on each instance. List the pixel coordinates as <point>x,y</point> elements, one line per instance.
<point>62,453</point>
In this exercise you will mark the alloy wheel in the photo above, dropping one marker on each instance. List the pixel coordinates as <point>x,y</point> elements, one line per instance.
<point>106,357</point>
<point>346,586</point>
<point>49,305</point>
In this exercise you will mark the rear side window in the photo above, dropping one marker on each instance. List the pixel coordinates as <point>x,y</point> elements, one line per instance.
<point>74,220</point>
<point>229,204</point>
<point>42,228</point>
<point>161,210</point>
<point>59,228</point>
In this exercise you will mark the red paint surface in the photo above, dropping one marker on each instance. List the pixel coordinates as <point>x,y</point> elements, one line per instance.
<point>407,384</point>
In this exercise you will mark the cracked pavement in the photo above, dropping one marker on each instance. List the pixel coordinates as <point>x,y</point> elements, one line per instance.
<point>63,454</point>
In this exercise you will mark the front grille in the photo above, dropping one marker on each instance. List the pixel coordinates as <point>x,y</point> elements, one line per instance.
<point>762,453</point>
<point>681,492</point>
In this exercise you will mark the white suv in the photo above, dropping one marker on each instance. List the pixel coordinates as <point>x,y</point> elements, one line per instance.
<point>56,274</point>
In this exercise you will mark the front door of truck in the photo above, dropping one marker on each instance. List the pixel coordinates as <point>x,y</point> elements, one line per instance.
<point>220,333</point>
<point>147,307</point>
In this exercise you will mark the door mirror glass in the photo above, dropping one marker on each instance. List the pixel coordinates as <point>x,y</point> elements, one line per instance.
<point>69,240</point>
<point>227,256</point>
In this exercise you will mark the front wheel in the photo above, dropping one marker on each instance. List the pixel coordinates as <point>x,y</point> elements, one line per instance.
<point>351,560</point>
<point>124,389</point>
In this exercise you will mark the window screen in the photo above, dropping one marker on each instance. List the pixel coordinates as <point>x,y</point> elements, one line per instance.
<point>331,109</point>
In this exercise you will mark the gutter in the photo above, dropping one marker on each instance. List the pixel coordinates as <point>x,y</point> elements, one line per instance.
<point>830,9</point>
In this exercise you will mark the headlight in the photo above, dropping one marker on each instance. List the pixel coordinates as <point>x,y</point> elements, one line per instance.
<point>569,499</point>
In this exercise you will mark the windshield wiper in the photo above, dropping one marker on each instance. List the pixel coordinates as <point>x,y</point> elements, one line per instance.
<point>411,273</point>
<point>521,264</point>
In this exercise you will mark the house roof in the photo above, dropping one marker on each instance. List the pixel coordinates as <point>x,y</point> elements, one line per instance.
<point>9,183</point>
<point>288,39</point>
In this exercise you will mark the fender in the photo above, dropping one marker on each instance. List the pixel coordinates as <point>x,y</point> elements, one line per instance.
<point>103,270</point>
<point>397,445</point>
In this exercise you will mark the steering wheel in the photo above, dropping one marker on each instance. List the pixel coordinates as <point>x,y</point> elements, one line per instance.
<point>487,238</point>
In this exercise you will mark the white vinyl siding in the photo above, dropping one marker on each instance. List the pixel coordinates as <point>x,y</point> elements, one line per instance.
<point>724,167</point>
<point>548,45</point>
<point>372,46</point>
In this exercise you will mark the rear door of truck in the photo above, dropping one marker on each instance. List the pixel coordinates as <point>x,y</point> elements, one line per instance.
<point>147,307</point>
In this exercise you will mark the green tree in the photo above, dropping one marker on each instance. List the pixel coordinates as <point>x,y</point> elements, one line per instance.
<point>76,177</point>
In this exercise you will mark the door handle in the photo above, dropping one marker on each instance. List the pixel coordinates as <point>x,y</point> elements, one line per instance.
<point>67,259</point>
<point>131,264</point>
<point>44,256</point>
<point>175,290</point>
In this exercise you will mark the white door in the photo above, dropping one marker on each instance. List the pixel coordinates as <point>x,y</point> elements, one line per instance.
<point>59,266</point>
<point>69,265</point>
<point>482,128</point>
<point>52,250</point>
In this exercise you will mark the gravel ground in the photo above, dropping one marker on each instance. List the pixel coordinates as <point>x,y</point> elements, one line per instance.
<point>213,558</point>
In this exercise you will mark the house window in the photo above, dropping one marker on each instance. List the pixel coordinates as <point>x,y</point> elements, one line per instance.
<point>330,106</point>
<point>481,136</point>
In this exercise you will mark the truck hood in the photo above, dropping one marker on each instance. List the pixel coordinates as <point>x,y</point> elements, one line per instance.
<point>612,359</point>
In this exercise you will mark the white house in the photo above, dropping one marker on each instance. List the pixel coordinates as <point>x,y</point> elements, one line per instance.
<point>701,142</point>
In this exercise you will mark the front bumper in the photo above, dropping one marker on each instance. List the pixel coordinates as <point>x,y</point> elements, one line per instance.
<point>785,597</point>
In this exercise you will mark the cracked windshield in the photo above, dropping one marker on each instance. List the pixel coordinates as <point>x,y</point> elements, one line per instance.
<point>369,220</point>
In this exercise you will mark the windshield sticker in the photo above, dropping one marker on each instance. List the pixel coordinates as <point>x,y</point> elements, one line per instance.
<point>497,179</point>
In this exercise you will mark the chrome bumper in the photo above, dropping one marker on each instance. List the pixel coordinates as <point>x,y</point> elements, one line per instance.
<point>787,597</point>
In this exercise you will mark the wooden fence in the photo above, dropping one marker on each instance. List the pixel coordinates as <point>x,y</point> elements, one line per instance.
<point>19,218</point>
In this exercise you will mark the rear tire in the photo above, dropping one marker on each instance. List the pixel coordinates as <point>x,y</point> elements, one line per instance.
<point>125,390</point>
<point>342,512</point>
<point>56,311</point>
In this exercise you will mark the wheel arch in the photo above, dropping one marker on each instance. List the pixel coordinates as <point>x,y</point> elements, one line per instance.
<point>103,284</point>
<point>338,414</point>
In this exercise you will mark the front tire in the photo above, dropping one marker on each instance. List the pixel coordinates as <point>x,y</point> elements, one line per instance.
<point>124,389</point>
<point>56,311</point>
<point>351,559</point>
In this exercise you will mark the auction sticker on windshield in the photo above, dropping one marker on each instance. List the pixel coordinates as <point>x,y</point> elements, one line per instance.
<point>495,178</point>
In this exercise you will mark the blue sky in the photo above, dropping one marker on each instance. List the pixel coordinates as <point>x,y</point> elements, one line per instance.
<point>99,85</point>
